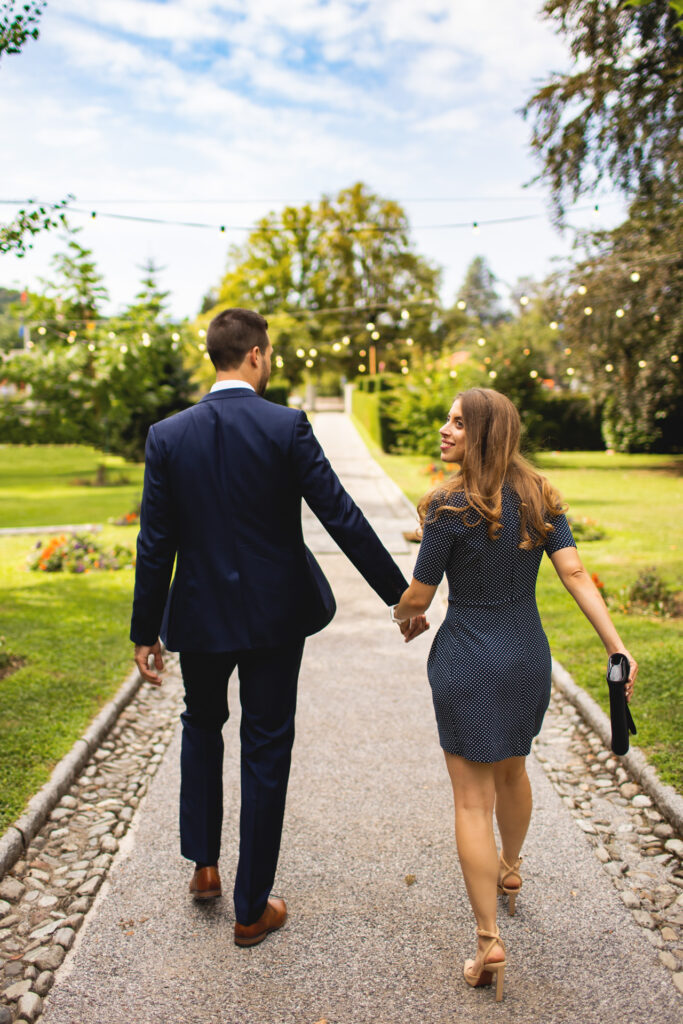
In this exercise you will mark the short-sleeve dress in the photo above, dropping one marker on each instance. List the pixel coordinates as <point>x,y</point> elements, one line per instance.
<point>489,665</point>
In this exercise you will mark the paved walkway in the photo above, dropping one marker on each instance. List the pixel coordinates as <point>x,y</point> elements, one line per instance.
<point>379,920</point>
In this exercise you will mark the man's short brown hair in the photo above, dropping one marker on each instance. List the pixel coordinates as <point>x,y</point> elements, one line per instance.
<point>233,333</point>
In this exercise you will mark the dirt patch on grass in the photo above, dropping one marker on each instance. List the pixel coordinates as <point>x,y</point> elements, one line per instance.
<point>10,663</point>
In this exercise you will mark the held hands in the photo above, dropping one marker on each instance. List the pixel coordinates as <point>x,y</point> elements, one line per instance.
<point>410,628</point>
<point>633,672</point>
<point>142,656</point>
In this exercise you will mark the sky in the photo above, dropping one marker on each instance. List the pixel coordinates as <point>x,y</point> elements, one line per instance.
<point>219,112</point>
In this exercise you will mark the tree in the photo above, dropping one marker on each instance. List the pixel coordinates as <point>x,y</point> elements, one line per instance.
<point>335,268</point>
<point>79,284</point>
<point>619,114</point>
<point>104,384</point>
<point>623,320</point>
<point>18,25</point>
<point>478,292</point>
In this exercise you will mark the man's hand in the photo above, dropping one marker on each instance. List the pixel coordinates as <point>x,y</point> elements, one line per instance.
<point>410,628</point>
<point>142,653</point>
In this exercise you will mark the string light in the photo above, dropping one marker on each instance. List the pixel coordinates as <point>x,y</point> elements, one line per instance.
<point>42,330</point>
<point>201,347</point>
<point>175,336</point>
<point>609,367</point>
<point>369,326</point>
<point>313,352</point>
<point>362,353</point>
<point>453,374</point>
<point>588,310</point>
<point>635,277</point>
<point>554,325</point>
<point>619,313</point>
<point>123,349</point>
<point>111,335</point>
<point>481,342</point>
<point>146,340</point>
<point>461,304</point>
<point>534,374</point>
<point>405,315</point>
<point>674,358</point>
<point>300,352</point>
<point>582,289</point>
<point>487,360</point>
<point>336,347</point>
<point>409,341</point>
<point>309,363</point>
<point>567,351</point>
<point>346,340</point>
<point>375,335</point>
<point>475,228</point>
<point>492,374</point>
<point>404,369</point>
<point>527,351</point>
<point>524,301</point>
<point>642,363</point>
<point>570,371</point>
<point>91,347</point>
<point>201,332</point>
<point>361,367</point>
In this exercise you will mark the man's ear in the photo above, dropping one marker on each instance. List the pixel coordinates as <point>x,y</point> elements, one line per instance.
<point>253,355</point>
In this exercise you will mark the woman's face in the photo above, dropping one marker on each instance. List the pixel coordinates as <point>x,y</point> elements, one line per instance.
<point>453,435</point>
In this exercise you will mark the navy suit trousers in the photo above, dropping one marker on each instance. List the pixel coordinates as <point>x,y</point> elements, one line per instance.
<point>268,686</point>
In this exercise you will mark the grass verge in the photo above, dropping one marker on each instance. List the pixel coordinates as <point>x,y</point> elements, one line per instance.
<point>69,630</point>
<point>638,501</point>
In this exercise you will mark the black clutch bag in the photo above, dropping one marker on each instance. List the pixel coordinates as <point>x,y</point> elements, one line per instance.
<point>619,711</point>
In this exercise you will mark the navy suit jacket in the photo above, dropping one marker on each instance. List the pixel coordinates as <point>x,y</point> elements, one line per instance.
<point>222,499</point>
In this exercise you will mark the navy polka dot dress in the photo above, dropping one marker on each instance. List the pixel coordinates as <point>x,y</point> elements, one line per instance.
<point>489,665</point>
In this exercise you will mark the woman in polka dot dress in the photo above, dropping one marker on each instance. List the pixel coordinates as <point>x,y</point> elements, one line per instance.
<point>489,666</point>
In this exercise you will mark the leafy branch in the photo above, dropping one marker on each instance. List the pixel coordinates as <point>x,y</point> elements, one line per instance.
<point>18,26</point>
<point>16,237</point>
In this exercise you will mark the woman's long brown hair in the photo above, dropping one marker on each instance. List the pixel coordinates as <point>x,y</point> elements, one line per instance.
<point>492,458</point>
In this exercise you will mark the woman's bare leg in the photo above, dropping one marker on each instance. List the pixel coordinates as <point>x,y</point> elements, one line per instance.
<point>474,795</point>
<point>513,805</point>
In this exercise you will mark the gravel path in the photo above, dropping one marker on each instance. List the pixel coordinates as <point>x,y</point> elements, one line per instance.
<point>379,920</point>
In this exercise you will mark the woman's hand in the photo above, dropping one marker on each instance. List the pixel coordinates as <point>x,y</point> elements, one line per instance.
<point>410,628</point>
<point>633,672</point>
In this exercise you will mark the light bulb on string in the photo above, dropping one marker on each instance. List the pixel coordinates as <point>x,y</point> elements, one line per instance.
<point>587,310</point>
<point>201,332</point>
<point>461,304</point>
<point>582,289</point>
<point>492,374</point>
<point>674,358</point>
<point>404,369</point>
<point>619,313</point>
<point>570,371</point>
<point>313,352</point>
<point>526,351</point>
<point>111,335</point>
<point>361,367</point>
<point>405,315</point>
<point>206,355</point>
<point>309,363</point>
<point>375,335</point>
<point>409,341</point>
<point>567,351</point>
<point>453,374</point>
<point>533,374</point>
<point>596,210</point>
<point>175,336</point>
<point>91,347</point>
<point>524,300</point>
<point>336,347</point>
<point>369,326</point>
<point>346,340</point>
<point>609,367</point>
<point>475,228</point>
<point>300,353</point>
<point>481,342</point>
<point>487,360</point>
<point>362,353</point>
<point>635,277</point>
<point>642,363</point>
<point>553,325</point>
<point>42,330</point>
<point>123,349</point>
<point>201,347</point>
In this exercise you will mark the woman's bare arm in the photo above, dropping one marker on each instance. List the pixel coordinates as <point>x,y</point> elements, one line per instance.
<point>571,571</point>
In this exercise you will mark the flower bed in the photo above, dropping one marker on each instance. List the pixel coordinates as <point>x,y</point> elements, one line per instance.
<point>78,553</point>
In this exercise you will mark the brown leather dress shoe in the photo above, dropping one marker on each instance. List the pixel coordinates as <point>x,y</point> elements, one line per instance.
<point>205,884</point>
<point>272,918</point>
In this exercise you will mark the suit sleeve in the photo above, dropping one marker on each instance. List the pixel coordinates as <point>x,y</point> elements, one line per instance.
<point>156,549</point>
<point>341,517</point>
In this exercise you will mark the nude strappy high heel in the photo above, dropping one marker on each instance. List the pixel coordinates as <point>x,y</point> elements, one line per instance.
<point>478,972</point>
<point>510,873</point>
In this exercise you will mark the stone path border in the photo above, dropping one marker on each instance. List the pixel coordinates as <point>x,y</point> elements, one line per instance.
<point>16,840</point>
<point>667,799</point>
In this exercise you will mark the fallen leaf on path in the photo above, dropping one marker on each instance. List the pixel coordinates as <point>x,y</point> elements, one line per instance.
<point>411,879</point>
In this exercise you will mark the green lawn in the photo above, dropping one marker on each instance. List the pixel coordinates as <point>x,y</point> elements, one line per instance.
<point>37,485</point>
<point>638,501</point>
<point>71,630</point>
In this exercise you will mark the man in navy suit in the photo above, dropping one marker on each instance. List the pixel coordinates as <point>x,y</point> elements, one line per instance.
<point>222,496</point>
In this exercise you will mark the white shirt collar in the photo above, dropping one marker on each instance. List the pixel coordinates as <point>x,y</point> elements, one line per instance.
<point>221,385</point>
